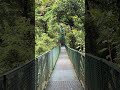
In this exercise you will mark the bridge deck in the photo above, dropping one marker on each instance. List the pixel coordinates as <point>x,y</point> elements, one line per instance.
<point>64,76</point>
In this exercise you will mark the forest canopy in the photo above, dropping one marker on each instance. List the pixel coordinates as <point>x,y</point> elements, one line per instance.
<point>51,15</point>
<point>57,21</point>
<point>102,27</point>
<point>16,33</point>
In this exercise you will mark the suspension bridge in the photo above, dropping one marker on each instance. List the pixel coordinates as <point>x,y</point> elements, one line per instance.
<point>63,68</point>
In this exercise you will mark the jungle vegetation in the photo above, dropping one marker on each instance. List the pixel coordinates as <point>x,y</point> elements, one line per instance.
<point>102,27</point>
<point>16,33</point>
<point>51,15</point>
<point>27,31</point>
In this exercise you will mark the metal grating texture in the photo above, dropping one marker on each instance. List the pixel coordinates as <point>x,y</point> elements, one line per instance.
<point>101,74</point>
<point>78,61</point>
<point>64,76</point>
<point>44,67</point>
<point>22,78</point>
<point>95,73</point>
<point>64,85</point>
<point>32,75</point>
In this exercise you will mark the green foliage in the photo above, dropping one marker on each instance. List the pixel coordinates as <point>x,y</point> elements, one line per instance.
<point>70,12</point>
<point>76,40</point>
<point>46,27</point>
<point>80,40</point>
<point>51,14</point>
<point>105,21</point>
<point>107,34</point>
<point>16,37</point>
<point>43,44</point>
<point>71,40</point>
<point>17,28</point>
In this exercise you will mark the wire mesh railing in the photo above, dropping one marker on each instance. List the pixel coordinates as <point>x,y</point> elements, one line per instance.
<point>78,61</point>
<point>33,75</point>
<point>101,74</point>
<point>95,73</point>
<point>21,78</point>
<point>44,67</point>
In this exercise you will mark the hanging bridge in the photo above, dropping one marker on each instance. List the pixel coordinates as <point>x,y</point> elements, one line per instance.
<point>63,68</point>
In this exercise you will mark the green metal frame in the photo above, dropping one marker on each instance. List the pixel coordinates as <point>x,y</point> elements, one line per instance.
<point>101,74</point>
<point>95,73</point>
<point>44,67</point>
<point>32,75</point>
<point>78,61</point>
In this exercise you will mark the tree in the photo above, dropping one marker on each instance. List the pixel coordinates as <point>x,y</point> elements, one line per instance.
<point>101,33</point>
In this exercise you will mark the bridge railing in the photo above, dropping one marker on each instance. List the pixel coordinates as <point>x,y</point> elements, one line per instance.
<point>21,78</point>
<point>95,73</point>
<point>78,61</point>
<point>101,74</point>
<point>32,75</point>
<point>44,67</point>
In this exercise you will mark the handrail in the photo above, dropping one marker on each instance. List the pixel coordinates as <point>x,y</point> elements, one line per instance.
<point>45,64</point>
<point>47,51</point>
<point>78,60</point>
<point>76,51</point>
<point>99,74</point>
<point>110,64</point>
<point>32,75</point>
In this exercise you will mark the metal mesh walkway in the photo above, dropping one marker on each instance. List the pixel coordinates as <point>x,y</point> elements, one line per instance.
<point>64,76</point>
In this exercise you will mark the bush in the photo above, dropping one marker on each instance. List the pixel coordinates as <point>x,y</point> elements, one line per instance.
<point>71,40</point>
<point>76,40</point>
<point>43,43</point>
